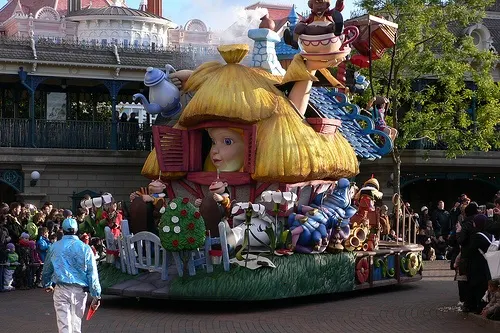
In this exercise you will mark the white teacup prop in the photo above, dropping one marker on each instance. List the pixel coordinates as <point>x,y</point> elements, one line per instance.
<point>327,46</point>
<point>97,202</point>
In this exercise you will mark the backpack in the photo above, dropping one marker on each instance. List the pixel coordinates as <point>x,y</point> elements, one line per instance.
<point>492,256</point>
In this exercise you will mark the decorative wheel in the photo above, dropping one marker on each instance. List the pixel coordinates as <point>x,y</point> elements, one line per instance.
<point>362,270</point>
<point>413,264</point>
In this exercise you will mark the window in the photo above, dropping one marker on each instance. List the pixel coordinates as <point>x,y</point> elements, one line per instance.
<point>136,43</point>
<point>186,151</point>
<point>476,37</point>
<point>481,37</point>
<point>126,43</point>
<point>199,138</point>
<point>170,144</point>
<point>104,42</point>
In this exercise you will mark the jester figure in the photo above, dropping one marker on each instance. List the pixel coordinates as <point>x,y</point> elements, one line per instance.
<point>365,199</point>
<point>146,207</point>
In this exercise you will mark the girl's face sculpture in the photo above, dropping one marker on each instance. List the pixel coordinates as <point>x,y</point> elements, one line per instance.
<point>228,149</point>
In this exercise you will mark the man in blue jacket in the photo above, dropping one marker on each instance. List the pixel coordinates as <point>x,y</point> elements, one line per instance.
<point>70,271</point>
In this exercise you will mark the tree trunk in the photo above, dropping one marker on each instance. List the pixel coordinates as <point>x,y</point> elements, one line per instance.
<point>396,158</point>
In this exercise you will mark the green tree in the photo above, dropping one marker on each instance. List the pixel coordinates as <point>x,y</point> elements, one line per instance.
<point>181,226</point>
<point>431,46</point>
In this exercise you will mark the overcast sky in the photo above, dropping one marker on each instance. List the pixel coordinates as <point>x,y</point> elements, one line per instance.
<point>217,14</point>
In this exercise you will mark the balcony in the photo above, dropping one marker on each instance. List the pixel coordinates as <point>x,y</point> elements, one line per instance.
<point>77,134</point>
<point>74,134</point>
<point>427,144</point>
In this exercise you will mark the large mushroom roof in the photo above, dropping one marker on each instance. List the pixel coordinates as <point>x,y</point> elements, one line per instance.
<point>288,149</point>
<point>230,92</point>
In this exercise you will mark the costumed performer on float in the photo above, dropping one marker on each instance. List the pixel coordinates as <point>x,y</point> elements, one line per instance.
<point>378,113</point>
<point>365,199</point>
<point>368,215</point>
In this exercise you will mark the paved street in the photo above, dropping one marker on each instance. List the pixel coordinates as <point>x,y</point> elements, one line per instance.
<point>425,306</point>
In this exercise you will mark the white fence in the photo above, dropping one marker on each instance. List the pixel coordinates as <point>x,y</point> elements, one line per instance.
<point>143,251</point>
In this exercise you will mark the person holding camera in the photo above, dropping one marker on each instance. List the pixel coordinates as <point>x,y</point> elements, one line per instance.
<point>70,271</point>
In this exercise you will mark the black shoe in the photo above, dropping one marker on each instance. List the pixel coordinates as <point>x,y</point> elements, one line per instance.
<point>467,309</point>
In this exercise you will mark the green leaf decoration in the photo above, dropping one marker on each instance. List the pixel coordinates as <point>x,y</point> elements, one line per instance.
<point>272,238</point>
<point>181,226</point>
<point>403,265</point>
<point>386,272</point>
<point>239,254</point>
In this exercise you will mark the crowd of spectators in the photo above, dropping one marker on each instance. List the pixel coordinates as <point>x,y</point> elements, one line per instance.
<point>27,232</point>
<point>461,235</point>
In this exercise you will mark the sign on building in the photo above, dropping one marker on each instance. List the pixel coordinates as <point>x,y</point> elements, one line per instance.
<point>56,106</point>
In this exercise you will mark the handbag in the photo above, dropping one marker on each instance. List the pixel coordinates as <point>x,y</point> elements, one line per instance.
<point>492,256</point>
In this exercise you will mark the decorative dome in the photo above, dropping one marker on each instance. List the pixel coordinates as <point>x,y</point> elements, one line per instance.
<point>48,14</point>
<point>195,25</point>
<point>115,11</point>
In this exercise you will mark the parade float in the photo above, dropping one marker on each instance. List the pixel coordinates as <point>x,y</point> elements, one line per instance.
<point>250,195</point>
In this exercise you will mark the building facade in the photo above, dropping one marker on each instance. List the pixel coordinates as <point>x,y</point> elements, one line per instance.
<point>102,22</point>
<point>68,69</point>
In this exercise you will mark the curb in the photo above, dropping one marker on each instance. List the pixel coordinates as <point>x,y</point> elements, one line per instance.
<point>484,322</point>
